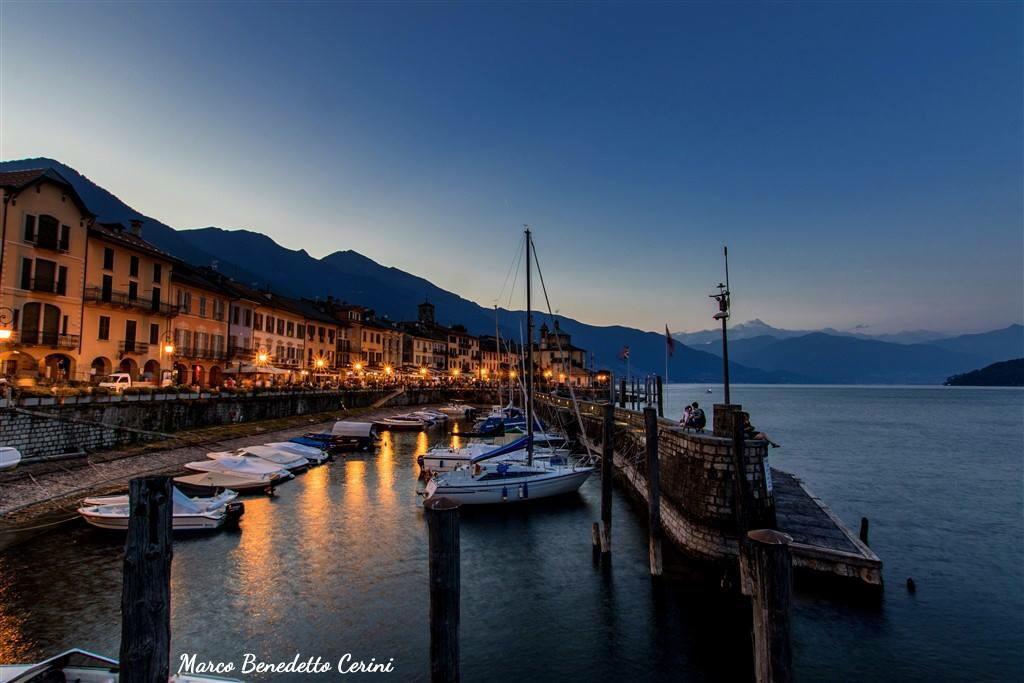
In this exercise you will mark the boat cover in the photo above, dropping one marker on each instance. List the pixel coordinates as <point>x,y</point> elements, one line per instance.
<point>362,430</point>
<point>236,464</point>
<point>275,455</point>
<point>516,445</point>
<point>305,451</point>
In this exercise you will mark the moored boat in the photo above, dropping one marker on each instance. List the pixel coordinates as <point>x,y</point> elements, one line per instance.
<point>211,483</point>
<point>398,423</point>
<point>252,467</point>
<point>188,514</point>
<point>9,457</point>
<point>82,666</point>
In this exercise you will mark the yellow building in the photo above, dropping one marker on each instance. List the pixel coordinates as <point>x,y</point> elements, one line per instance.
<point>42,266</point>
<point>463,352</point>
<point>200,327</point>
<point>127,310</point>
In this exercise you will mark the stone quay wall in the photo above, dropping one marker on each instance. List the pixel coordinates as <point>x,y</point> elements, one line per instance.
<point>73,427</point>
<point>697,472</point>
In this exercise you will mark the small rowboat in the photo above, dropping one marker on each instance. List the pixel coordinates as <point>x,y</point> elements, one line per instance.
<point>211,483</point>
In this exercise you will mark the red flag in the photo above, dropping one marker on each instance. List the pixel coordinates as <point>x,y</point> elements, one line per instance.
<point>670,342</point>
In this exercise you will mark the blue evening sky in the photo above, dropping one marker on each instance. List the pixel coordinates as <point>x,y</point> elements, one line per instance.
<point>862,160</point>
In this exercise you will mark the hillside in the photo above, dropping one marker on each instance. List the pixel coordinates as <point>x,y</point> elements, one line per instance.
<point>1008,373</point>
<point>394,293</point>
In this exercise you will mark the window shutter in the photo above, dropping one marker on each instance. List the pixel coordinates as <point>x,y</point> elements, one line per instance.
<point>62,280</point>
<point>26,273</point>
<point>30,228</point>
<point>65,238</point>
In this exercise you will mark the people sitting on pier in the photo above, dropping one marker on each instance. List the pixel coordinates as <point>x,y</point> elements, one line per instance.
<point>697,419</point>
<point>750,432</point>
<point>687,412</point>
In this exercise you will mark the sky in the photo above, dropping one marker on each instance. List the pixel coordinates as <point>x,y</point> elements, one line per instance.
<point>863,161</point>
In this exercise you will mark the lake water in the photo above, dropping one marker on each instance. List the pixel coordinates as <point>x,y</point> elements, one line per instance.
<point>336,562</point>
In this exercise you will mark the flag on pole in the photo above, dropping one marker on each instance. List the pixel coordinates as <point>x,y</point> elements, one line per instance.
<point>624,353</point>
<point>670,343</point>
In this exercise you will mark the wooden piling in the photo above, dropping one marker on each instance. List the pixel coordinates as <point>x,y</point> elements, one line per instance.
<point>146,587</point>
<point>661,397</point>
<point>622,392</point>
<point>864,530</point>
<point>653,491</point>
<point>443,557</point>
<point>771,569</point>
<point>607,468</point>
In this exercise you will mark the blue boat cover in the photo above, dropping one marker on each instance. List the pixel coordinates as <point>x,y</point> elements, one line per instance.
<point>516,445</point>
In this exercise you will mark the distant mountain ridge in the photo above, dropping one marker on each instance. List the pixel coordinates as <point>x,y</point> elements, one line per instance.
<point>254,258</point>
<point>758,328</point>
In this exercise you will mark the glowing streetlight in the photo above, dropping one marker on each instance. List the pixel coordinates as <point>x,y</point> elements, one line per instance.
<point>5,333</point>
<point>561,377</point>
<point>169,348</point>
<point>511,374</point>
<point>388,370</point>
<point>423,372</point>
<point>358,367</point>
<point>455,372</point>
<point>484,372</point>
<point>262,358</point>
<point>547,374</point>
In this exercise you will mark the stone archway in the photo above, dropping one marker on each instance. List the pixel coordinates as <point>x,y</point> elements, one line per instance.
<point>151,371</point>
<point>58,367</point>
<point>180,373</point>
<point>216,376</point>
<point>130,366</point>
<point>198,375</point>
<point>99,368</point>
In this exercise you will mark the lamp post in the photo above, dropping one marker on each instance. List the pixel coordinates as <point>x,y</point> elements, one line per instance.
<point>168,349</point>
<point>722,297</point>
<point>262,359</point>
<point>6,319</point>
<point>319,364</point>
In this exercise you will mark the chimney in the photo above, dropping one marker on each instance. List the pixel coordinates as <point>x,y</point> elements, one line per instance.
<point>136,227</point>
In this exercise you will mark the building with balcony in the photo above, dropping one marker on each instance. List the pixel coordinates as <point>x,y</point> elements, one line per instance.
<point>127,309</point>
<point>463,352</point>
<point>42,268</point>
<point>321,344</point>
<point>200,328</point>
<point>498,358</point>
<point>557,361</point>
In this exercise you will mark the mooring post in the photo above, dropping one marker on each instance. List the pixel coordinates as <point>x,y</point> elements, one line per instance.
<point>607,466</point>
<point>771,569</point>
<point>864,530</point>
<point>653,491</point>
<point>622,392</point>
<point>146,585</point>
<point>661,397</point>
<point>443,553</point>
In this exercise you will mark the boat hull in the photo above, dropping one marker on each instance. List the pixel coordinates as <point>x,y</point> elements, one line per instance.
<point>512,491</point>
<point>178,522</point>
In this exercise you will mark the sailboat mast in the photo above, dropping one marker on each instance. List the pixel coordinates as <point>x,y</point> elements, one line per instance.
<point>497,355</point>
<point>529,352</point>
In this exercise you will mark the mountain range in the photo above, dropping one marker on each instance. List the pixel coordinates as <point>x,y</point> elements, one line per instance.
<point>759,353</point>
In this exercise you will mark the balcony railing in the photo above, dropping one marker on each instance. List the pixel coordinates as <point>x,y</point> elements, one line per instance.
<point>50,285</point>
<point>40,338</point>
<point>132,346</point>
<point>100,295</point>
<point>201,352</point>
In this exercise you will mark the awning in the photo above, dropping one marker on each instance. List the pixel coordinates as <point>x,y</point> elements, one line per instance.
<point>256,370</point>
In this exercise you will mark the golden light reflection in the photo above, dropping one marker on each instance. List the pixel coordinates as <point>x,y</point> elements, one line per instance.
<point>314,504</point>
<point>456,441</point>
<point>256,560</point>
<point>356,502</point>
<point>13,645</point>
<point>386,470</point>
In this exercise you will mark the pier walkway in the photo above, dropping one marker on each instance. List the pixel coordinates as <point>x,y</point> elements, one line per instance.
<point>697,503</point>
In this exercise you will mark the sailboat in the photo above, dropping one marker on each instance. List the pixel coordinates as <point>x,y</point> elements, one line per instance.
<point>491,476</point>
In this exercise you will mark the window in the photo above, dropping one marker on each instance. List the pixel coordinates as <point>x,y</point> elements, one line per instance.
<point>291,329</point>
<point>202,307</point>
<point>133,266</point>
<point>158,272</point>
<point>155,301</point>
<point>184,301</point>
<point>280,327</point>
<point>107,292</point>
<point>104,327</point>
<point>257,322</point>
<point>65,238</point>
<point>218,309</point>
<point>47,233</point>
<point>248,318</point>
<point>234,315</point>
<point>46,276</point>
<point>154,333</point>
<point>62,280</point>
<point>26,273</point>
<point>133,291</point>
<point>269,325</point>
<point>30,228</point>
<point>108,258</point>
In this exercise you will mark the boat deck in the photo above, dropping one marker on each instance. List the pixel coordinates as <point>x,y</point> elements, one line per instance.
<point>821,542</point>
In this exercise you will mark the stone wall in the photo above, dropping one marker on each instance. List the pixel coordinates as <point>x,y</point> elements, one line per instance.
<point>46,430</point>
<point>697,476</point>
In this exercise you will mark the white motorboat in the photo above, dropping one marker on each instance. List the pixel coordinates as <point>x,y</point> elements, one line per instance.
<point>222,498</point>
<point>188,514</point>
<point>446,458</point>
<point>84,667</point>
<point>315,456</point>
<point>401,423</point>
<point>9,457</point>
<point>212,483</point>
<point>250,467</point>
<point>436,415</point>
<point>456,409</point>
<point>286,459</point>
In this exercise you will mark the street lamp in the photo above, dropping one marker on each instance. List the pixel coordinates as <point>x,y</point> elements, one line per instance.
<point>6,318</point>
<point>722,297</point>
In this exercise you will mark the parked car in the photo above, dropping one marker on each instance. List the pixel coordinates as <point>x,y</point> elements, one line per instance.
<point>119,381</point>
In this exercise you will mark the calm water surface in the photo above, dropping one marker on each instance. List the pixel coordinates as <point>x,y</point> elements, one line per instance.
<point>336,562</point>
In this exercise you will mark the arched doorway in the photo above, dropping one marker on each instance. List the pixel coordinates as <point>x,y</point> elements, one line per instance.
<point>216,376</point>
<point>180,373</point>
<point>151,371</point>
<point>58,367</point>
<point>99,368</point>
<point>198,375</point>
<point>130,366</point>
